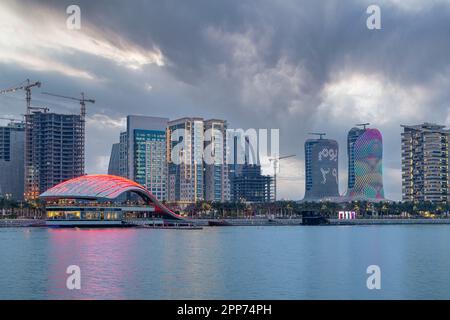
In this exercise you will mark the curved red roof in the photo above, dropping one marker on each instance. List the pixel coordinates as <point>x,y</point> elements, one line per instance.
<point>101,186</point>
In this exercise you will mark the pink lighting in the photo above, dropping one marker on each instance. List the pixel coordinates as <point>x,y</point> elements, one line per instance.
<point>103,186</point>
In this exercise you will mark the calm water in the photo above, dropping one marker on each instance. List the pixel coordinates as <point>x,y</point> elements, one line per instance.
<point>227,263</point>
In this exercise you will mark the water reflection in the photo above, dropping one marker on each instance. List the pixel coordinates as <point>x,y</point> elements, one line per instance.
<point>226,263</point>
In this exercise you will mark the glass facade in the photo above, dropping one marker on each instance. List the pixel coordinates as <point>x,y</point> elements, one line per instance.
<point>83,214</point>
<point>186,179</point>
<point>365,165</point>
<point>150,161</point>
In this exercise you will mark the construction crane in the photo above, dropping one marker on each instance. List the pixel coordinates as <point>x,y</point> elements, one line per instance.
<point>27,87</point>
<point>275,161</point>
<point>82,101</point>
<point>317,134</point>
<point>364,125</point>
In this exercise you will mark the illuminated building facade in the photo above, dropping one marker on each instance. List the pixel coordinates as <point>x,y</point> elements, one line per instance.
<point>96,200</point>
<point>365,170</point>
<point>425,163</point>
<point>321,169</point>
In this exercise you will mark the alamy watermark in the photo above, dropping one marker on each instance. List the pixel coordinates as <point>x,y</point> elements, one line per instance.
<point>374,280</point>
<point>373,22</point>
<point>234,146</point>
<point>73,281</point>
<point>73,22</point>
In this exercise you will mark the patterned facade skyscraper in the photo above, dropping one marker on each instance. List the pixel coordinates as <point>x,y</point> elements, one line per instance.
<point>321,169</point>
<point>365,170</point>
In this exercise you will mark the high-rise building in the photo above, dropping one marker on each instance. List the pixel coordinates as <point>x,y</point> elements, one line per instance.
<point>217,184</point>
<point>185,160</point>
<point>123,155</point>
<point>425,163</point>
<point>365,170</point>
<point>114,160</point>
<point>321,169</point>
<point>142,153</point>
<point>54,150</point>
<point>12,142</point>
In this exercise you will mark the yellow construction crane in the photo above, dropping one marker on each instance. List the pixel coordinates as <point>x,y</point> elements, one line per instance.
<point>27,88</point>
<point>275,161</point>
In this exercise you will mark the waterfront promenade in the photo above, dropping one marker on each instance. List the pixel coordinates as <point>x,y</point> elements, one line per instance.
<point>15,223</point>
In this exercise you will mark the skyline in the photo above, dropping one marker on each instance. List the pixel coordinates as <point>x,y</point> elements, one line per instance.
<point>247,67</point>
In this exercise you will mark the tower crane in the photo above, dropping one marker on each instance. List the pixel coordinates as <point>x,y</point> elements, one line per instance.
<point>275,161</point>
<point>27,87</point>
<point>82,101</point>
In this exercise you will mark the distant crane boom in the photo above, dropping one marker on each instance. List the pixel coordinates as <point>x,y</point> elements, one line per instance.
<point>275,161</point>
<point>27,87</point>
<point>81,100</point>
<point>71,98</point>
<point>11,119</point>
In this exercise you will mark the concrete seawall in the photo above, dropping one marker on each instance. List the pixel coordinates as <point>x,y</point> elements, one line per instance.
<point>252,222</point>
<point>15,223</point>
<point>387,221</point>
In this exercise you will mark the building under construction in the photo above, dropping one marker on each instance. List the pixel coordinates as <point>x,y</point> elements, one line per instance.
<point>54,143</point>
<point>249,185</point>
<point>55,150</point>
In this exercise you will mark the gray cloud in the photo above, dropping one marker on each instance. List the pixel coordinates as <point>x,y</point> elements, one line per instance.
<point>295,65</point>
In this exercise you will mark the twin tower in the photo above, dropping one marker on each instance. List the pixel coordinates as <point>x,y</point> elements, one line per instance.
<point>365,171</point>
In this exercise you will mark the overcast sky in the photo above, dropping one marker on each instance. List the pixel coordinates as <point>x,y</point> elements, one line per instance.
<point>299,66</point>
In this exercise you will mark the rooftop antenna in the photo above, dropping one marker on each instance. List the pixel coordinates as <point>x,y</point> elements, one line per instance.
<point>318,134</point>
<point>364,125</point>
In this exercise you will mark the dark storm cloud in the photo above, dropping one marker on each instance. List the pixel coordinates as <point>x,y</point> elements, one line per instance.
<point>269,64</point>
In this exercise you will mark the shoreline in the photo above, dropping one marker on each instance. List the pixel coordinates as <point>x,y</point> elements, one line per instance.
<point>234,222</point>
